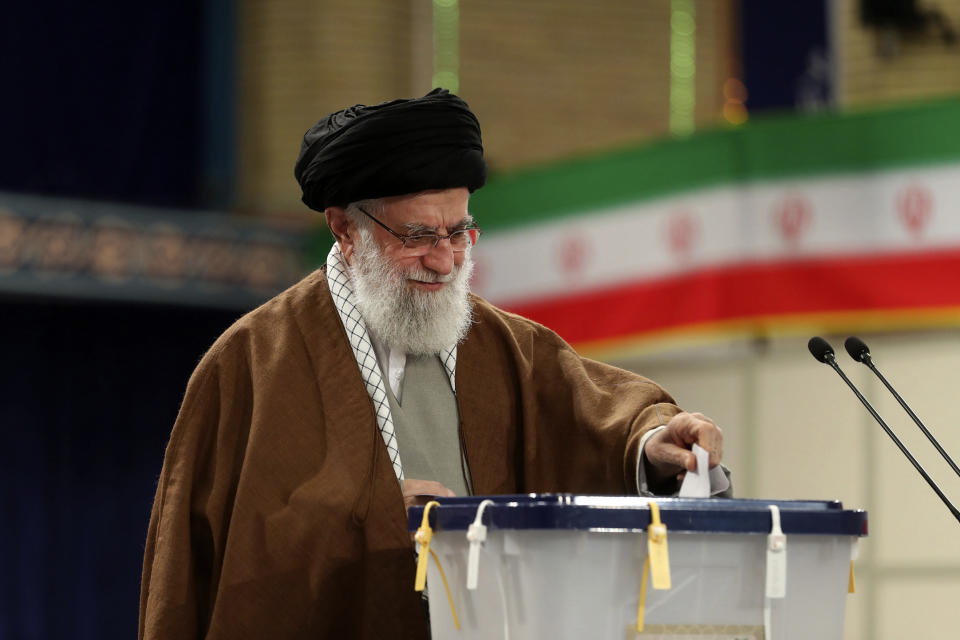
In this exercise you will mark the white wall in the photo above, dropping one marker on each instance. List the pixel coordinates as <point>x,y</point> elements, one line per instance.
<point>793,430</point>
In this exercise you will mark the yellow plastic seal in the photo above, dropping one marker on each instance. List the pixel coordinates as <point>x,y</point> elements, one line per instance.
<point>657,550</point>
<point>423,536</point>
<point>656,563</point>
<point>642,603</point>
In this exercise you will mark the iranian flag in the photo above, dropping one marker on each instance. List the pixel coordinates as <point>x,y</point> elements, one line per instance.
<point>833,222</point>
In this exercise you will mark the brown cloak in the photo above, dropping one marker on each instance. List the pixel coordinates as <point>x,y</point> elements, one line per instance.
<point>278,514</point>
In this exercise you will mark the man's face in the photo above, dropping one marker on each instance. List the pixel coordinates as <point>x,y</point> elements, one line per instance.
<point>441,212</point>
<point>416,303</point>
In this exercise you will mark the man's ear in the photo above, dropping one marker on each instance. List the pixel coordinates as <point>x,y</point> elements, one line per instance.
<point>343,230</point>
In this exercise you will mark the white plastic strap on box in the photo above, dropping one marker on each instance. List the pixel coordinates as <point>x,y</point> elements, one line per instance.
<point>854,554</point>
<point>776,557</point>
<point>776,583</point>
<point>476,536</point>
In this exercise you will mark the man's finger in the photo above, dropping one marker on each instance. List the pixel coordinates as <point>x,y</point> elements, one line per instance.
<point>667,453</point>
<point>716,455</point>
<point>687,429</point>
<point>711,440</point>
<point>703,417</point>
<point>414,487</point>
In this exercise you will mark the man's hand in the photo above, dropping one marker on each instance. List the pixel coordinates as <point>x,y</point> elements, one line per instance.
<point>419,492</point>
<point>667,452</point>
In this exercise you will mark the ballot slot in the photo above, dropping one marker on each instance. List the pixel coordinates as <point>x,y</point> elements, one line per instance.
<point>562,565</point>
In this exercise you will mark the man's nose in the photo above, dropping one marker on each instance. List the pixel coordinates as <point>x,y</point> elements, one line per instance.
<point>440,258</point>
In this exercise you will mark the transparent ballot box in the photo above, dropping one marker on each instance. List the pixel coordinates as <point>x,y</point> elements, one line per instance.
<point>577,566</point>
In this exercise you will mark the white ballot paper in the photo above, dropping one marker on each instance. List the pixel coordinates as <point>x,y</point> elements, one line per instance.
<point>703,482</point>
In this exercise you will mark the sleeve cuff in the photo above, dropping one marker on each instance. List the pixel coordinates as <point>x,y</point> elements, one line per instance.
<point>642,488</point>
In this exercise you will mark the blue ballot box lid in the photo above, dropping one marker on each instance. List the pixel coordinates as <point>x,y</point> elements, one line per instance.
<point>632,513</point>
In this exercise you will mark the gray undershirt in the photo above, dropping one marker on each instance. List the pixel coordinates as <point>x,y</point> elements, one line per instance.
<point>427,423</point>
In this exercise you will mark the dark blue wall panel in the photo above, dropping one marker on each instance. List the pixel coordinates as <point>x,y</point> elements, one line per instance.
<point>88,395</point>
<point>786,54</point>
<point>108,100</point>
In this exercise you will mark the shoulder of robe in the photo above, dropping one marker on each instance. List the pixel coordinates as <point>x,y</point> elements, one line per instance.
<point>273,323</point>
<point>249,351</point>
<point>489,318</point>
<point>546,347</point>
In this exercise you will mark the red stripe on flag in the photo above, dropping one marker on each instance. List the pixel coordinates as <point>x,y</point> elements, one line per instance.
<point>877,282</point>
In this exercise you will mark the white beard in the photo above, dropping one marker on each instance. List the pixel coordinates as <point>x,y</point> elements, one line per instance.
<point>410,320</point>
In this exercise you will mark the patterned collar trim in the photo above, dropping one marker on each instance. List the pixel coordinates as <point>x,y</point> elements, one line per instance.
<point>341,289</point>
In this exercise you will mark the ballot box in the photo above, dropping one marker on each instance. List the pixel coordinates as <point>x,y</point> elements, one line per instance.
<point>576,566</point>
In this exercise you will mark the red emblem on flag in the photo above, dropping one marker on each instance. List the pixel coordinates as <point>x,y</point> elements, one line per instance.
<point>682,232</point>
<point>573,254</point>
<point>793,216</point>
<point>915,208</point>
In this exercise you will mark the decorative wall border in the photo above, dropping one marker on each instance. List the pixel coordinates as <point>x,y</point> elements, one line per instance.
<point>79,249</point>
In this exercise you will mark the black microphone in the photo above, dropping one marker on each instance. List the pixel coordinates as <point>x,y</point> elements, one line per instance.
<point>823,352</point>
<point>860,352</point>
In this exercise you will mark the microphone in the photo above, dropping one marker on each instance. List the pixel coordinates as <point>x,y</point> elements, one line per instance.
<point>822,351</point>
<point>860,352</point>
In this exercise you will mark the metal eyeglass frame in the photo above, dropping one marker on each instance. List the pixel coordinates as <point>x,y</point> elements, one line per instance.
<point>403,239</point>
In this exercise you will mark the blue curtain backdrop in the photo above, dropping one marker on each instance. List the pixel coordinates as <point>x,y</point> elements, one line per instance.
<point>88,394</point>
<point>118,100</point>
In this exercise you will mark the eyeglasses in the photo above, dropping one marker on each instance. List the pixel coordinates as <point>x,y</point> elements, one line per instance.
<point>421,243</point>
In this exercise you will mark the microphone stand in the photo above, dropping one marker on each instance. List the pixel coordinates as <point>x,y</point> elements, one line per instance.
<point>824,353</point>
<point>858,351</point>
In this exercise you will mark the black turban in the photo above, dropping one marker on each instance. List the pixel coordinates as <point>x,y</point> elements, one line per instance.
<point>391,149</point>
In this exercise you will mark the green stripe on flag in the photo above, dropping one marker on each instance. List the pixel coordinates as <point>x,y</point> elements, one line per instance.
<point>770,148</point>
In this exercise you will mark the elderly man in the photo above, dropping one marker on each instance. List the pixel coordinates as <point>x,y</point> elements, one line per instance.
<point>314,420</point>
